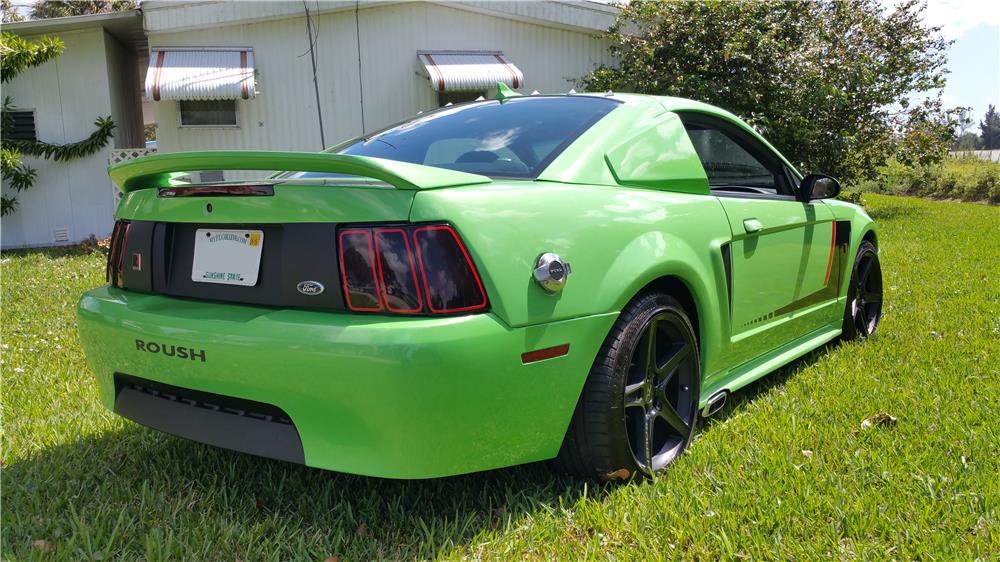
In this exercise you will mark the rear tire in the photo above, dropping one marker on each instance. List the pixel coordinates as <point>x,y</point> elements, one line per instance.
<point>639,406</point>
<point>864,295</point>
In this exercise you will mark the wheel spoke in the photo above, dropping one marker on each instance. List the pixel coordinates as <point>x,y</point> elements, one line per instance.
<point>864,271</point>
<point>860,322</point>
<point>670,415</point>
<point>649,348</point>
<point>872,297</point>
<point>647,440</point>
<point>667,369</point>
<point>634,395</point>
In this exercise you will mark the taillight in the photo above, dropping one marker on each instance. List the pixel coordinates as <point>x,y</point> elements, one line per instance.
<point>411,269</point>
<point>116,253</point>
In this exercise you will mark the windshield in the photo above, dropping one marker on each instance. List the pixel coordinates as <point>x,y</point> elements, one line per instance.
<point>516,138</point>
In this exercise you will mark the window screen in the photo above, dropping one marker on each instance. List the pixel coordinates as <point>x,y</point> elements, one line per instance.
<point>455,98</point>
<point>208,113</point>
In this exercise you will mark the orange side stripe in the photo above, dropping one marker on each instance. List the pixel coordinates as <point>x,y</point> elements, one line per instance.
<point>833,243</point>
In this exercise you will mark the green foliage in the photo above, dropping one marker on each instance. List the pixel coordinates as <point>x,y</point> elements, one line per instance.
<point>58,152</point>
<point>18,175</point>
<point>62,8</point>
<point>17,53</point>
<point>989,129</point>
<point>10,15</point>
<point>852,197</point>
<point>967,178</point>
<point>967,141</point>
<point>815,78</point>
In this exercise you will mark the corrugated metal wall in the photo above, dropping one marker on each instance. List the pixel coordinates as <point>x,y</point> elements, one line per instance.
<point>283,115</point>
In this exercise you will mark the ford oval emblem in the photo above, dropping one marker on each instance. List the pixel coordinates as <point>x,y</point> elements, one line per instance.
<point>310,287</point>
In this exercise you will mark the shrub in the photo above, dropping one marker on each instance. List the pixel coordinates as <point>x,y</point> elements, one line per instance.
<point>967,178</point>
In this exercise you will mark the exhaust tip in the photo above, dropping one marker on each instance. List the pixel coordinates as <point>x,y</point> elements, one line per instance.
<point>715,403</point>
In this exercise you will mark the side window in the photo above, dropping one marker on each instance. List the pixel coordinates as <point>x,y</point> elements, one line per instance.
<point>733,161</point>
<point>727,163</point>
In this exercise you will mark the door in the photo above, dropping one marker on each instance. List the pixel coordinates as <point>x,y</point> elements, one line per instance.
<point>780,255</point>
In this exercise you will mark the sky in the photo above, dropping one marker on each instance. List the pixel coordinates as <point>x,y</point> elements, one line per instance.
<point>974,57</point>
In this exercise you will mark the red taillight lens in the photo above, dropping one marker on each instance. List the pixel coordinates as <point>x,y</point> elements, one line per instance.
<point>397,271</point>
<point>450,280</point>
<point>413,269</point>
<point>116,253</point>
<point>357,270</point>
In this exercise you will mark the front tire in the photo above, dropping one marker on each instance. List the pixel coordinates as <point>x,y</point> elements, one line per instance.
<point>864,295</point>
<point>639,406</point>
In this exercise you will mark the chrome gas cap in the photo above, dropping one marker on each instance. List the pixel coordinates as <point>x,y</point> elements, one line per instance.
<point>551,272</point>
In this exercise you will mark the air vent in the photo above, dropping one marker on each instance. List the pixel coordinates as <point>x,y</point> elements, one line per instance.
<point>60,235</point>
<point>22,125</point>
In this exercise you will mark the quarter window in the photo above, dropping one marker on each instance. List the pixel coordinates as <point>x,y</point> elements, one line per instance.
<point>208,113</point>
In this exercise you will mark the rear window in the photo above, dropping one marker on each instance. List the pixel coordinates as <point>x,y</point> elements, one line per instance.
<point>516,138</point>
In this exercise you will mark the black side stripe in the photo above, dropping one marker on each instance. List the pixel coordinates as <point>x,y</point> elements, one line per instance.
<point>727,264</point>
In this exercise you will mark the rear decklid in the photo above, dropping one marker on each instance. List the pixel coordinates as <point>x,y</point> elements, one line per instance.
<point>293,218</point>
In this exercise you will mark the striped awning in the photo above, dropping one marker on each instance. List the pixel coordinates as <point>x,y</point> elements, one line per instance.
<point>453,71</point>
<point>200,74</point>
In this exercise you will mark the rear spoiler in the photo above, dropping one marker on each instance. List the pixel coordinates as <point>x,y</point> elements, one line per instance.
<point>162,170</point>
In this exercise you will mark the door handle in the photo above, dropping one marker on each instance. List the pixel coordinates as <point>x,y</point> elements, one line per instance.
<point>752,225</point>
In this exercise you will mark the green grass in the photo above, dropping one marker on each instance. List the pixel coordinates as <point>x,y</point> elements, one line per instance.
<point>928,487</point>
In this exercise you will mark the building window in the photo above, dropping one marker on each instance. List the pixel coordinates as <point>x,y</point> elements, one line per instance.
<point>444,98</point>
<point>23,125</point>
<point>208,113</point>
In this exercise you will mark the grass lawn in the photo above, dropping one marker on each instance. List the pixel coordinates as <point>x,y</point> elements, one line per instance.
<point>786,471</point>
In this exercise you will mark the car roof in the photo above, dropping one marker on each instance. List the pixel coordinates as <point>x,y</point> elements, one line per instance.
<point>668,103</point>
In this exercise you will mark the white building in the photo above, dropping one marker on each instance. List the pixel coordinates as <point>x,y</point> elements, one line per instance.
<point>239,75</point>
<point>96,76</point>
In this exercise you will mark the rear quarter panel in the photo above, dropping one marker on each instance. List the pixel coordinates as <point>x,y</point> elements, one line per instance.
<point>616,239</point>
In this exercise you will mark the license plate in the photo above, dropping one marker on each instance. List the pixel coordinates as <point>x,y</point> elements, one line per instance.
<point>227,257</point>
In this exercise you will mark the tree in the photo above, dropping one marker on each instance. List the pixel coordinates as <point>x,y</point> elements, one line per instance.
<point>44,9</point>
<point>10,15</point>
<point>989,129</point>
<point>827,82</point>
<point>966,141</point>
<point>17,55</point>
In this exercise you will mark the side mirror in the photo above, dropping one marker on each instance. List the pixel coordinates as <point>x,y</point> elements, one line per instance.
<point>818,186</point>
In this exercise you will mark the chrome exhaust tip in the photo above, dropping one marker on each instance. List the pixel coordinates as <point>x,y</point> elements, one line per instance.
<point>715,403</point>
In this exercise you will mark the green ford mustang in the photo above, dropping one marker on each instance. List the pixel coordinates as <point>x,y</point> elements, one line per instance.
<point>573,277</point>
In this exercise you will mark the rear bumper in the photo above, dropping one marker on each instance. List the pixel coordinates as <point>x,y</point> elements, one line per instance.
<point>380,396</point>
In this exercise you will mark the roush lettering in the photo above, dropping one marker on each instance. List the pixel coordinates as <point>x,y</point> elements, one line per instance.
<point>169,350</point>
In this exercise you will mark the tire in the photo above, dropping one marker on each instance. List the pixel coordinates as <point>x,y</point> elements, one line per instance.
<point>625,396</point>
<point>864,295</point>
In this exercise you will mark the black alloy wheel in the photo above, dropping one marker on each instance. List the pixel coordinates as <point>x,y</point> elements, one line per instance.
<point>658,395</point>
<point>864,302</point>
<point>639,406</point>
